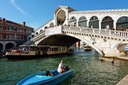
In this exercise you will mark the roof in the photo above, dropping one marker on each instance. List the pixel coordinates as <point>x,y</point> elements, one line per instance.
<point>94,11</point>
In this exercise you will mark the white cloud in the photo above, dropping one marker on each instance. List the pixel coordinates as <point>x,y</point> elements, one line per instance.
<point>17,7</point>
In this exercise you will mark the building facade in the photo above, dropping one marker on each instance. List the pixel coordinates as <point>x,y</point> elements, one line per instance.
<point>13,34</point>
<point>113,19</point>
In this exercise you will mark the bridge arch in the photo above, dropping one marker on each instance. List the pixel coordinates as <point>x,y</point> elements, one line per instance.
<point>58,40</point>
<point>66,40</point>
<point>82,38</point>
<point>107,23</point>
<point>94,22</point>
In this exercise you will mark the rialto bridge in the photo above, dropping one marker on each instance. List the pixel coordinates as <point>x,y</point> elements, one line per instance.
<point>104,30</point>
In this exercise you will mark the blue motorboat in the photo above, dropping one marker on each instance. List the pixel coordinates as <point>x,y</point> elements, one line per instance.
<point>42,79</point>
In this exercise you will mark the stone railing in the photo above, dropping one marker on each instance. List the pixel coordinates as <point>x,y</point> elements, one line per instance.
<point>39,36</point>
<point>96,32</point>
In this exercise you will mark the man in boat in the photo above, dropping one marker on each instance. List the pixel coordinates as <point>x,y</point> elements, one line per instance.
<point>61,67</point>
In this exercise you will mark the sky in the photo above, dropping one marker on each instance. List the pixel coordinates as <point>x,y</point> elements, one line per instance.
<point>37,12</point>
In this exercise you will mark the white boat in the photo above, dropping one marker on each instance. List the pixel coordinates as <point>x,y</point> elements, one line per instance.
<point>42,79</point>
<point>30,52</point>
<point>87,48</point>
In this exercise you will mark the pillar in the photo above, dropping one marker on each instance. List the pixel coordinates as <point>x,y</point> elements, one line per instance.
<point>78,44</point>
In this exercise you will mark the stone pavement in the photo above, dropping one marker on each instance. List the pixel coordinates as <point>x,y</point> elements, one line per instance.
<point>124,81</point>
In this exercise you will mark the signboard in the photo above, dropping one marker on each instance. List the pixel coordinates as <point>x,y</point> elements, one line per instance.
<point>53,30</point>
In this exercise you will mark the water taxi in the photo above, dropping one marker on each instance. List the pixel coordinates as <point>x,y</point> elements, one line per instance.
<point>87,48</point>
<point>42,79</point>
<point>30,52</point>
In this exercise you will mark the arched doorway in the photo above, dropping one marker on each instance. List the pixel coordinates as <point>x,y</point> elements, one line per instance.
<point>94,22</point>
<point>72,21</point>
<point>1,47</point>
<point>107,23</point>
<point>9,46</point>
<point>61,17</point>
<point>82,22</point>
<point>122,23</point>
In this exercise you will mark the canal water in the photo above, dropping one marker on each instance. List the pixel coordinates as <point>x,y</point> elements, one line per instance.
<point>86,66</point>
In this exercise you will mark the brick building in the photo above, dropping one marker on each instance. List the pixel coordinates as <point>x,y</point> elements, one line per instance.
<point>13,34</point>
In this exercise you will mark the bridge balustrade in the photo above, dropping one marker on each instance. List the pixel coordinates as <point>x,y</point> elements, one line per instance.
<point>95,31</point>
<point>38,36</point>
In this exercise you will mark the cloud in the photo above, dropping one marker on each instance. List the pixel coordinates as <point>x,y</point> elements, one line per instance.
<point>17,7</point>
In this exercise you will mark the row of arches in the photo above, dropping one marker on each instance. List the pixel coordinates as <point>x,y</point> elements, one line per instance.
<point>106,22</point>
<point>7,46</point>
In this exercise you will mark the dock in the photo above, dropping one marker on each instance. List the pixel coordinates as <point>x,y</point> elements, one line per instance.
<point>124,81</point>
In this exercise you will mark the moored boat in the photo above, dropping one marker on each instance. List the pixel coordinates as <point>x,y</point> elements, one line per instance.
<point>30,52</point>
<point>42,79</point>
<point>87,48</point>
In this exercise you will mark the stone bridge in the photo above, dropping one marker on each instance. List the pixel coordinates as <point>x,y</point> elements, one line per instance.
<point>105,42</point>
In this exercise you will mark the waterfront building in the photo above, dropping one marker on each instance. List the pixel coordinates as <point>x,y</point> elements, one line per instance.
<point>13,34</point>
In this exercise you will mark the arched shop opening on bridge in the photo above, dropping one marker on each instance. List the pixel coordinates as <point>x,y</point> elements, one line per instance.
<point>82,22</point>
<point>122,23</point>
<point>73,21</point>
<point>94,22</point>
<point>107,23</point>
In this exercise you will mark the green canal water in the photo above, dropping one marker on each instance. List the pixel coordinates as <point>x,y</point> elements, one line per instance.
<point>87,69</point>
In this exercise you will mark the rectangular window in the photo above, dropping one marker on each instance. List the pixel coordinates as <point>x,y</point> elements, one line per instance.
<point>1,28</point>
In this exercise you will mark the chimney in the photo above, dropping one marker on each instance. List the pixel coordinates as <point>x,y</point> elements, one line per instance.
<point>4,20</point>
<point>24,23</point>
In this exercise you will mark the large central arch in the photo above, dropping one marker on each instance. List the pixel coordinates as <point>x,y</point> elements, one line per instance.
<point>66,40</point>
<point>58,40</point>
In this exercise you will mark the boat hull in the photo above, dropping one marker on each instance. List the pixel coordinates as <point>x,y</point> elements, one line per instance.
<point>47,81</point>
<point>27,57</point>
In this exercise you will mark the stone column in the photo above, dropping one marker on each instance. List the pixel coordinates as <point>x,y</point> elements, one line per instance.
<point>114,24</point>
<point>55,19</point>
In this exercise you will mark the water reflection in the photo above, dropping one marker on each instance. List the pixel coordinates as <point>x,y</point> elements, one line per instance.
<point>87,69</point>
